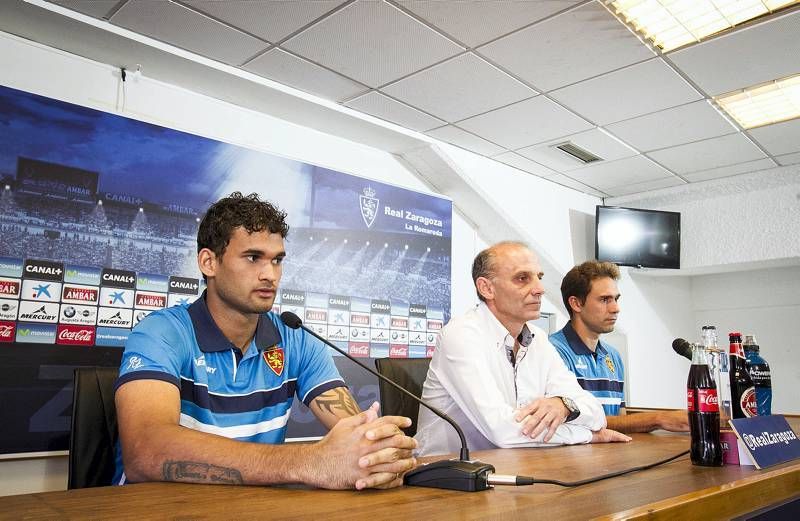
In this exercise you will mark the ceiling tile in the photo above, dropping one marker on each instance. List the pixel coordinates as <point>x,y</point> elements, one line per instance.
<point>372,42</point>
<point>692,122</point>
<point>636,188</point>
<point>743,57</point>
<point>564,180</point>
<point>567,48</point>
<point>595,141</point>
<point>174,24</point>
<point>474,23</point>
<point>523,163</point>
<point>459,88</point>
<point>637,169</point>
<point>710,153</point>
<point>386,108</point>
<point>628,93</point>
<point>301,74</point>
<point>456,136</point>
<point>96,8</point>
<point>272,21</point>
<point>779,138</point>
<point>727,171</point>
<point>525,123</point>
<point>789,159</point>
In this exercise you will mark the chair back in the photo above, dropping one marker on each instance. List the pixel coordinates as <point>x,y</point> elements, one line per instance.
<point>94,428</point>
<point>408,373</point>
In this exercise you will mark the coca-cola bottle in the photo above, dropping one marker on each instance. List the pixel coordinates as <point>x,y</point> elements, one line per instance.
<point>703,407</point>
<point>743,392</point>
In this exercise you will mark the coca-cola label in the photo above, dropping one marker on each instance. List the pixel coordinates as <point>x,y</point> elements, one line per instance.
<point>360,349</point>
<point>748,402</point>
<point>7,331</point>
<point>75,335</point>
<point>398,351</point>
<point>706,400</point>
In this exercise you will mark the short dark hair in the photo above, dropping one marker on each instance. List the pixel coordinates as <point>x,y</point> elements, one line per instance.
<point>234,211</point>
<point>484,263</point>
<point>578,281</point>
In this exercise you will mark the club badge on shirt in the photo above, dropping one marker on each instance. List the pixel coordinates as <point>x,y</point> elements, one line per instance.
<point>273,357</point>
<point>610,364</point>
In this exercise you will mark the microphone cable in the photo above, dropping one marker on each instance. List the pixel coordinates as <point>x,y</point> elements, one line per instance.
<point>500,479</point>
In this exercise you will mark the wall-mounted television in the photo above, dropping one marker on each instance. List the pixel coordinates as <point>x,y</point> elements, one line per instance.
<point>637,237</point>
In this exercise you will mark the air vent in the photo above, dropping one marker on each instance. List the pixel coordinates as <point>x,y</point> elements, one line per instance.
<point>576,152</point>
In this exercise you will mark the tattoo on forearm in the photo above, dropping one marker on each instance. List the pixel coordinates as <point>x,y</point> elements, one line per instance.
<point>196,472</point>
<point>338,399</point>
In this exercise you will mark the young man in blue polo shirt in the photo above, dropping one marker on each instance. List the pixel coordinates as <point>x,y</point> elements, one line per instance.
<point>590,294</point>
<point>205,390</point>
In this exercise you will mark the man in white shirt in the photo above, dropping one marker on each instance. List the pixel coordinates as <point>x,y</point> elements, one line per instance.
<point>497,375</point>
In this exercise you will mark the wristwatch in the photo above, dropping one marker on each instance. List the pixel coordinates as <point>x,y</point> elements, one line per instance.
<point>574,412</point>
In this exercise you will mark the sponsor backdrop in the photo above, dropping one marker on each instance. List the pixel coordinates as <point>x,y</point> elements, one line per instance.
<point>98,218</point>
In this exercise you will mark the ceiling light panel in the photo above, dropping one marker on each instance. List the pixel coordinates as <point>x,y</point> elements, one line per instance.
<point>764,104</point>
<point>670,24</point>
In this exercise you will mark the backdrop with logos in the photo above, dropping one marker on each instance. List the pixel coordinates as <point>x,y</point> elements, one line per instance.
<point>98,217</point>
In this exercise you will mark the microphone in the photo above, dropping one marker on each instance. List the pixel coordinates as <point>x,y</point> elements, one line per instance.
<point>456,474</point>
<point>682,347</point>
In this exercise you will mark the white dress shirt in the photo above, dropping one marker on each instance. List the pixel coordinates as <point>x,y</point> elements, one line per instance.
<point>472,380</point>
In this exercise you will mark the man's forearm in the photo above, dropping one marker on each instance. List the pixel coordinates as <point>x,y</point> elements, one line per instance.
<point>175,453</point>
<point>636,422</point>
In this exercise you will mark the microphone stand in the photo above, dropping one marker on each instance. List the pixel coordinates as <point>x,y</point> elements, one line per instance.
<point>455,474</point>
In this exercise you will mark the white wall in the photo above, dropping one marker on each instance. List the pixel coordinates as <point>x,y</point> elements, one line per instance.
<point>765,303</point>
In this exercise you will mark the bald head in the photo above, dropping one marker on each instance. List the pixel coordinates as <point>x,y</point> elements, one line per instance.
<point>486,262</point>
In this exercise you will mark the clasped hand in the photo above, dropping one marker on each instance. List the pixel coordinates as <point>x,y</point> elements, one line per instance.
<point>364,451</point>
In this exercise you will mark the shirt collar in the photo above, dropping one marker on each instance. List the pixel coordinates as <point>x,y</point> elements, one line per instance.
<point>499,331</point>
<point>210,339</point>
<point>577,345</point>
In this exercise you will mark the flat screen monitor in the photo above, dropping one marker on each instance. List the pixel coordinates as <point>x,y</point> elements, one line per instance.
<point>636,237</point>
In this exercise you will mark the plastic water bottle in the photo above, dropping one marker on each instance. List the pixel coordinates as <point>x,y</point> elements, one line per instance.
<point>759,372</point>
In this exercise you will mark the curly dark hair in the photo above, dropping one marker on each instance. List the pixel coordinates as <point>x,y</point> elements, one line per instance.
<point>578,281</point>
<point>233,211</point>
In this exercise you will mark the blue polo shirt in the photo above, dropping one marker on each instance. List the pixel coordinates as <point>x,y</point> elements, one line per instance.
<point>601,373</point>
<point>245,397</point>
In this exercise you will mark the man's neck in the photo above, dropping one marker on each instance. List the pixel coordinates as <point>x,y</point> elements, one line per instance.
<point>590,338</point>
<point>514,327</point>
<point>239,328</point>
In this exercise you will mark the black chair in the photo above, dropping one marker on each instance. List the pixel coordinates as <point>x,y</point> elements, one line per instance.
<point>409,373</point>
<point>94,428</point>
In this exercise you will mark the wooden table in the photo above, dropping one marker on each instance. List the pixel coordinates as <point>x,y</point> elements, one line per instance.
<point>677,490</point>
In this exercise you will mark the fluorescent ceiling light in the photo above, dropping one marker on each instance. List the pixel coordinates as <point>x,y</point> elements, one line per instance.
<point>670,24</point>
<point>764,104</point>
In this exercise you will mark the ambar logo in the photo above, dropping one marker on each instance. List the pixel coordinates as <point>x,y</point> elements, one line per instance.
<point>150,300</point>
<point>9,288</point>
<point>80,294</point>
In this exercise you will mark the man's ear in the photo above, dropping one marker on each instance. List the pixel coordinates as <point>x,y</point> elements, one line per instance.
<point>575,303</point>
<point>485,288</point>
<point>207,262</point>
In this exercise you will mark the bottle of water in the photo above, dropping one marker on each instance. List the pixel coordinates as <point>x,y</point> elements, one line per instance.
<point>718,365</point>
<point>759,372</point>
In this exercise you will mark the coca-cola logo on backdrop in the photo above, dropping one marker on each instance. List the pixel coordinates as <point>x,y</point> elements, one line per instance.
<point>75,335</point>
<point>7,331</point>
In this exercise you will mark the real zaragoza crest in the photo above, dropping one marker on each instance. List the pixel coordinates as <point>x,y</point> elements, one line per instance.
<point>274,359</point>
<point>369,206</point>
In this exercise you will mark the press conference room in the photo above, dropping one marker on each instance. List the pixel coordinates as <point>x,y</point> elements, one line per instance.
<point>414,150</point>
